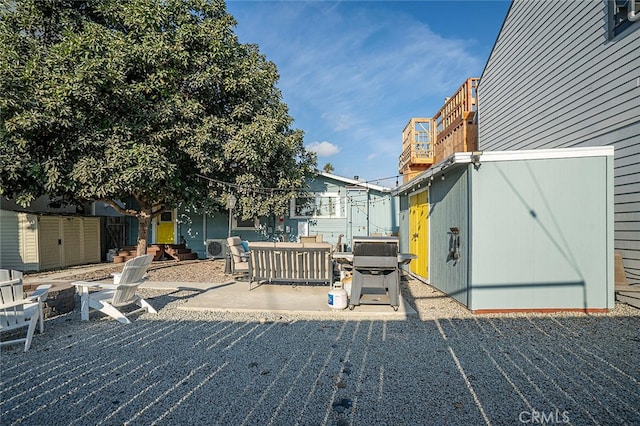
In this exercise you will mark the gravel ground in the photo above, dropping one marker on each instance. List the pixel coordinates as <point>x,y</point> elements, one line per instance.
<point>168,270</point>
<point>444,366</point>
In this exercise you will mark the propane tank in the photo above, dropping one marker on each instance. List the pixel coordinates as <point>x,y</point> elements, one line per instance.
<point>337,298</point>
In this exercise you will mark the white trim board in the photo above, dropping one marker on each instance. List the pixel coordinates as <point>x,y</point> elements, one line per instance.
<point>533,154</point>
<point>496,156</point>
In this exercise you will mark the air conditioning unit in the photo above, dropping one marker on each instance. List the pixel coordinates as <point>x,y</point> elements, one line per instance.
<point>217,248</point>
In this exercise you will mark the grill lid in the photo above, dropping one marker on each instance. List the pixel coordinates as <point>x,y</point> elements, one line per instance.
<point>375,246</point>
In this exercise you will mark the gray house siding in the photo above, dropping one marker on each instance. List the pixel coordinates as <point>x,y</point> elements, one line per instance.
<point>555,78</point>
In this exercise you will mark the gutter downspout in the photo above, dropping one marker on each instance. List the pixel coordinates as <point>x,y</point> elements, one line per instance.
<point>632,16</point>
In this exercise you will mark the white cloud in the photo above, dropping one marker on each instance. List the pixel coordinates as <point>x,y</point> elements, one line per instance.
<point>338,122</point>
<point>323,149</point>
<point>350,74</point>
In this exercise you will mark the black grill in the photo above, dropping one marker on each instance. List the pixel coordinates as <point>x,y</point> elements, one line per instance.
<point>376,276</point>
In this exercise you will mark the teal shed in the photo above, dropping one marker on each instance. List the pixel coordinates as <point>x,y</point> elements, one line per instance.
<point>521,230</point>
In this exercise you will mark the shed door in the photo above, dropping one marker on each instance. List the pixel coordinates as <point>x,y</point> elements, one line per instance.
<point>91,243</point>
<point>49,242</point>
<point>419,233</point>
<point>72,246</point>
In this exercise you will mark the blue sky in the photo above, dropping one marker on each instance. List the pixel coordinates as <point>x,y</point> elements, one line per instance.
<point>354,72</point>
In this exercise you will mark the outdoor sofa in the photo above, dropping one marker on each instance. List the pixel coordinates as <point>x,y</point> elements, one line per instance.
<point>290,262</point>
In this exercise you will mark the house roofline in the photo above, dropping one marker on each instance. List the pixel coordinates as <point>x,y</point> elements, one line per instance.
<point>494,43</point>
<point>354,182</point>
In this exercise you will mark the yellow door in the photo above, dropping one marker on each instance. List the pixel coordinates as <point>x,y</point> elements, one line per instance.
<point>419,233</point>
<point>165,228</point>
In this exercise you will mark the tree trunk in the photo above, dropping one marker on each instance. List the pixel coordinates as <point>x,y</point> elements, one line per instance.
<point>144,221</point>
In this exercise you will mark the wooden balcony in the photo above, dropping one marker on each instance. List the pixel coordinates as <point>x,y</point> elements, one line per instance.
<point>417,155</point>
<point>455,122</point>
<point>427,141</point>
<point>463,101</point>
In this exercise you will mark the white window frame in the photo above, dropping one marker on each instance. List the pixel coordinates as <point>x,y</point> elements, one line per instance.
<point>340,207</point>
<point>234,225</point>
<point>618,28</point>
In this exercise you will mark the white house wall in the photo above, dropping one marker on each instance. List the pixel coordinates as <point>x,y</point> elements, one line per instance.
<point>556,79</point>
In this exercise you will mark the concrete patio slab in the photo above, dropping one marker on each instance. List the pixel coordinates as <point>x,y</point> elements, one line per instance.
<point>234,296</point>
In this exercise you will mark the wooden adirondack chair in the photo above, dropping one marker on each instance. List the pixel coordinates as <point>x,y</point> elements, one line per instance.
<point>18,311</point>
<point>110,297</point>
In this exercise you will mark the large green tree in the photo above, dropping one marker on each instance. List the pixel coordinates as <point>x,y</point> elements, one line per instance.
<point>110,100</point>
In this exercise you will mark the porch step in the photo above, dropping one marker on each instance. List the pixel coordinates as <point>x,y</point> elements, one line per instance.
<point>176,251</point>
<point>156,250</point>
<point>179,252</point>
<point>185,256</point>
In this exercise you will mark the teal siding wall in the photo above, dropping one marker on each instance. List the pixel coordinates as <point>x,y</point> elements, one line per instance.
<point>131,230</point>
<point>330,229</point>
<point>542,234</point>
<point>449,207</point>
<point>383,213</point>
<point>190,227</point>
<point>534,233</point>
<point>377,211</point>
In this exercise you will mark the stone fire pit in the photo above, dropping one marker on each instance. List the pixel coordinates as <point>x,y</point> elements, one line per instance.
<point>60,300</point>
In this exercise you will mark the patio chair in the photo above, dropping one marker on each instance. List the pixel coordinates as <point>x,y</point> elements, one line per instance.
<point>239,257</point>
<point>18,311</point>
<point>121,293</point>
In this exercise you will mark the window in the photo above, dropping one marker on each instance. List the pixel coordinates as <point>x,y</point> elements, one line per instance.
<point>325,205</point>
<point>619,15</point>
<point>250,224</point>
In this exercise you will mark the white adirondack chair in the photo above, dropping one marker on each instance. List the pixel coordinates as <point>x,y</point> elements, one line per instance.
<point>18,311</point>
<point>110,297</point>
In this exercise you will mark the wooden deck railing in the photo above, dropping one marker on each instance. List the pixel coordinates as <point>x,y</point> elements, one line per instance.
<point>464,100</point>
<point>426,141</point>
<point>418,139</point>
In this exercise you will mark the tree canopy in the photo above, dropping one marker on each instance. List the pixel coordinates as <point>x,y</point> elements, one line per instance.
<point>328,168</point>
<point>109,99</point>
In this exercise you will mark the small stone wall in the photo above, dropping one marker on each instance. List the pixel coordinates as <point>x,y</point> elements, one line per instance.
<point>60,300</point>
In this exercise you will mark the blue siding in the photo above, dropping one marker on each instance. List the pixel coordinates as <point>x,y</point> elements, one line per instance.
<point>377,211</point>
<point>541,236</point>
<point>449,208</point>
